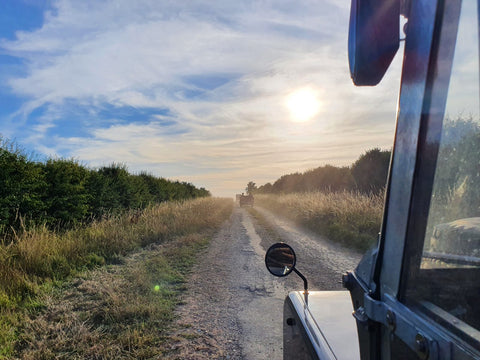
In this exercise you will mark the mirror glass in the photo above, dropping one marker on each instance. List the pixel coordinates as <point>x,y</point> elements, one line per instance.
<point>280,259</point>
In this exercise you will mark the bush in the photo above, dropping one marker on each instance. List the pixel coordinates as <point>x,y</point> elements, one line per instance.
<point>22,187</point>
<point>66,198</point>
<point>63,193</point>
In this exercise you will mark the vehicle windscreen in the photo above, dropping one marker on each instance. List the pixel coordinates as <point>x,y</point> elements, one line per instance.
<point>445,282</point>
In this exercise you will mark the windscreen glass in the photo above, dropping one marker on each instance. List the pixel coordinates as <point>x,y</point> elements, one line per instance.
<point>446,282</point>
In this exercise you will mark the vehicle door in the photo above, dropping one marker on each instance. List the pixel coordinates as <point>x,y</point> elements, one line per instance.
<point>423,298</point>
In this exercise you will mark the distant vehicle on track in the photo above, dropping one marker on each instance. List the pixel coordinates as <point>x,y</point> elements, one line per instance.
<point>246,200</point>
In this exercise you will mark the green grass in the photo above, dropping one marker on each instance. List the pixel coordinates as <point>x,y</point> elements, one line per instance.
<point>38,261</point>
<point>352,219</point>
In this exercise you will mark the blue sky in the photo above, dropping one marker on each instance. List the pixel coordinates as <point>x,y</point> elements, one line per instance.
<point>190,90</point>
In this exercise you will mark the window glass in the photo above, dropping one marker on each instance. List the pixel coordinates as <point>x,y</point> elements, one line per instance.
<point>447,284</point>
<point>453,230</point>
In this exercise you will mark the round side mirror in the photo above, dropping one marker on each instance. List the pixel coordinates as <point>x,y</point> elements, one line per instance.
<point>280,259</point>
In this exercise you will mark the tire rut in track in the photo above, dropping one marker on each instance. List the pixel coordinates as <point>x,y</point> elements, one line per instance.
<point>233,306</point>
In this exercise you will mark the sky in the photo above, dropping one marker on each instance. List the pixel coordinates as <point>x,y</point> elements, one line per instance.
<point>197,91</point>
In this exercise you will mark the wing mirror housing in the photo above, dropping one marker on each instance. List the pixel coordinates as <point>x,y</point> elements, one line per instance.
<point>373,39</point>
<point>280,261</point>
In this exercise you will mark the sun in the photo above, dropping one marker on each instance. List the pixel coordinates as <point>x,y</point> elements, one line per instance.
<point>303,104</point>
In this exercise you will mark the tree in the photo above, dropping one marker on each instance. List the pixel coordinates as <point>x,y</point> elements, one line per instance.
<point>22,187</point>
<point>327,178</point>
<point>371,169</point>
<point>157,187</point>
<point>251,188</point>
<point>66,197</point>
<point>288,183</point>
<point>265,189</point>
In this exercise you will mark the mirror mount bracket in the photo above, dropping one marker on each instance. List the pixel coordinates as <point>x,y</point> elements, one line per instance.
<point>305,285</point>
<point>305,282</point>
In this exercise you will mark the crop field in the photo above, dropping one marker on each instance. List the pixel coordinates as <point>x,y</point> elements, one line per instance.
<point>350,218</point>
<point>36,263</point>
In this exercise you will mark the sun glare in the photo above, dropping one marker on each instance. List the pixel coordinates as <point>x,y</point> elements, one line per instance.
<point>303,104</point>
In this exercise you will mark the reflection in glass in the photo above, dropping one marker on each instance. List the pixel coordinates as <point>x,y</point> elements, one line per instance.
<point>453,227</point>
<point>280,259</point>
<point>447,284</point>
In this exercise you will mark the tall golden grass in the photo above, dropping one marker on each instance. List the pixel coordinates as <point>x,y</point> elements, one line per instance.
<point>350,218</point>
<point>39,254</point>
<point>34,259</point>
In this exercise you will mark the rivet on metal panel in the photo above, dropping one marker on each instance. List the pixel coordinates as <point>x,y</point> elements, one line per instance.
<point>421,346</point>
<point>391,322</point>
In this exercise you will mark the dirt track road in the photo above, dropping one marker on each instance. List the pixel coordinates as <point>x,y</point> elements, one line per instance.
<point>233,307</point>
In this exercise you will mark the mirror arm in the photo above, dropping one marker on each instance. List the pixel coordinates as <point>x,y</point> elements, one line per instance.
<point>305,283</point>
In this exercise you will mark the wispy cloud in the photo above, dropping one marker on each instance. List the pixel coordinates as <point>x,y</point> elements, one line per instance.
<point>204,84</point>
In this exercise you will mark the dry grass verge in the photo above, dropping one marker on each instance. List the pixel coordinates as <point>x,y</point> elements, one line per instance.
<point>120,311</point>
<point>35,263</point>
<point>352,219</point>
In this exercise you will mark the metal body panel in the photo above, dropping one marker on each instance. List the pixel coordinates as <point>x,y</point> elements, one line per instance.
<point>414,82</point>
<point>327,323</point>
<point>381,315</point>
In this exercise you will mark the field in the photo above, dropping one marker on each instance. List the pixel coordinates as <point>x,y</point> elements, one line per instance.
<point>350,218</point>
<point>36,264</point>
<point>110,288</point>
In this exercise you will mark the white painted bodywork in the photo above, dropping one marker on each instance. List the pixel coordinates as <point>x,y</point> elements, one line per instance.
<point>328,322</point>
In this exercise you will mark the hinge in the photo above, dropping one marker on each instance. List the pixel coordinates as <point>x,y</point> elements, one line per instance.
<point>397,323</point>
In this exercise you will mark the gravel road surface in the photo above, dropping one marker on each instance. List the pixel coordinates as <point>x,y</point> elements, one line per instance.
<point>233,306</point>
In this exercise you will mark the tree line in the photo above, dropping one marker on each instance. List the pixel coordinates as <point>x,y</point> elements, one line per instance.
<point>63,192</point>
<point>456,193</point>
<point>368,174</point>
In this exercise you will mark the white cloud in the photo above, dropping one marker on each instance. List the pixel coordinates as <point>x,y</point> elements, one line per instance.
<point>146,53</point>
